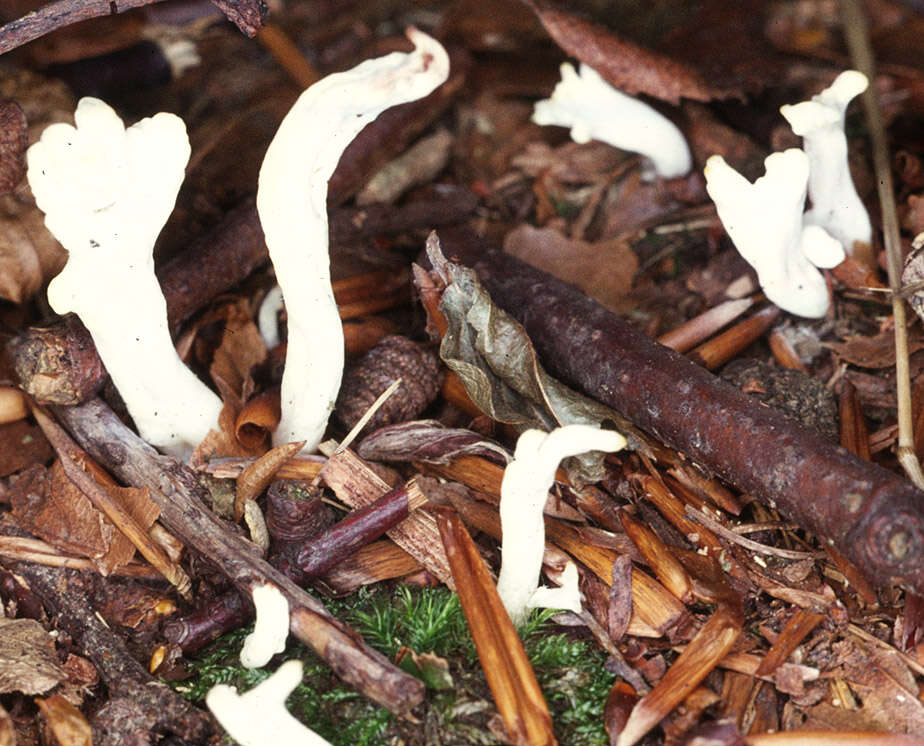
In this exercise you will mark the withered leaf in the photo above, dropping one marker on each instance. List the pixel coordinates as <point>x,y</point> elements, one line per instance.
<point>68,724</point>
<point>29,254</point>
<point>886,703</point>
<point>14,138</point>
<point>493,356</point>
<point>241,348</point>
<point>139,505</point>
<point>27,660</point>
<point>47,504</point>
<point>626,65</point>
<point>21,444</point>
<point>913,271</point>
<point>602,269</point>
<point>429,441</point>
<point>875,352</point>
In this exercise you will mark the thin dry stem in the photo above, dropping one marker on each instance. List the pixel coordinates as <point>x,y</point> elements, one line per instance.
<point>856,31</point>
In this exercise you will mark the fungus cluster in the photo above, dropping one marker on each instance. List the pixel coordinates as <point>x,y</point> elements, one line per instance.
<point>107,191</point>
<point>765,219</point>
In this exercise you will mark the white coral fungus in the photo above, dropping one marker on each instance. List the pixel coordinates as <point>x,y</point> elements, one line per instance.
<point>271,628</point>
<point>292,204</point>
<point>594,110</point>
<point>106,192</point>
<point>259,717</point>
<point>836,207</point>
<point>524,489</point>
<point>764,220</point>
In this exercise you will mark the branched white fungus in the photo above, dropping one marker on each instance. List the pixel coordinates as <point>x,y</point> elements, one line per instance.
<point>259,717</point>
<point>271,628</point>
<point>836,206</point>
<point>594,110</point>
<point>524,489</point>
<point>764,220</point>
<point>106,192</point>
<point>292,204</point>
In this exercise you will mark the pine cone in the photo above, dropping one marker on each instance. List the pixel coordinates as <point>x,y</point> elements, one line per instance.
<point>392,358</point>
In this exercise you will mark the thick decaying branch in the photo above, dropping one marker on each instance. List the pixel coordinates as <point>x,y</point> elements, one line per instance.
<point>871,515</point>
<point>175,489</point>
<point>138,704</point>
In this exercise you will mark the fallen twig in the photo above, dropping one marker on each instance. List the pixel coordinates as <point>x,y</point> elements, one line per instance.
<point>856,30</point>
<point>174,487</point>
<point>870,514</point>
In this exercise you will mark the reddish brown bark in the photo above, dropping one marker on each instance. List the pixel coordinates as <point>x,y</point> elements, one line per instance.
<point>871,515</point>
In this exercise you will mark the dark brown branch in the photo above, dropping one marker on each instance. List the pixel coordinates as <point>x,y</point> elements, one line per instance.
<point>245,14</point>
<point>870,514</point>
<point>137,703</point>
<point>174,487</point>
<point>359,528</point>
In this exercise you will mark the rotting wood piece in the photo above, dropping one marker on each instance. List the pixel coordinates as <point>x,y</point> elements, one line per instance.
<point>868,513</point>
<point>175,488</point>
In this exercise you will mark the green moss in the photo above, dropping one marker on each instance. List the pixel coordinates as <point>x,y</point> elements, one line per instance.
<point>426,620</point>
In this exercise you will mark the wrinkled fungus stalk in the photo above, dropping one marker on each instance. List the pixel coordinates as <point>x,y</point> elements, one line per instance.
<point>292,204</point>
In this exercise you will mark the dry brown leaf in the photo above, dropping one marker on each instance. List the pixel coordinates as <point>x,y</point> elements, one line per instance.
<point>22,444</point>
<point>258,419</point>
<point>47,504</point>
<point>29,254</point>
<point>875,352</point>
<point>14,138</point>
<point>27,659</point>
<point>604,269</point>
<point>627,66</point>
<point>138,504</point>
<point>68,724</point>
<point>886,702</point>
<point>241,348</point>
